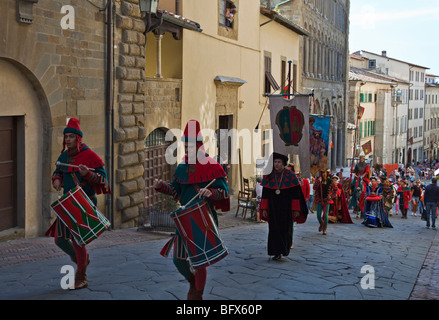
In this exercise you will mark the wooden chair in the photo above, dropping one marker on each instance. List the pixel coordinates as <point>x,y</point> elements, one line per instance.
<point>245,198</point>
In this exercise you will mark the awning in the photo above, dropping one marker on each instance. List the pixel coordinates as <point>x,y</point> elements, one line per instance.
<point>229,80</point>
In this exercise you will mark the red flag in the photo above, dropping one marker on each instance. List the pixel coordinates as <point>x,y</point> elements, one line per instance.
<point>284,92</point>
<point>360,112</point>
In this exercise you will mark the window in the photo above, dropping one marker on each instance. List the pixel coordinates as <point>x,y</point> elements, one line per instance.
<point>228,18</point>
<point>269,80</point>
<point>227,12</point>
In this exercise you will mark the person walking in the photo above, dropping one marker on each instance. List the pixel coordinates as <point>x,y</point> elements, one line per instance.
<point>416,195</point>
<point>89,173</point>
<point>192,177</point>
<point>322,189</point>
<point>282,204</point>
<point>404,198</point>
<point>431,199</point>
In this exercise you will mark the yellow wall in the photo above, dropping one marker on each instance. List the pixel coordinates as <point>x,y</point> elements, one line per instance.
<point>207,55</point>
<point>171,53</point>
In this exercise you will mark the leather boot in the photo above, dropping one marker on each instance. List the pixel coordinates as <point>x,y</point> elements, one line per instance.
<point>80,279</point>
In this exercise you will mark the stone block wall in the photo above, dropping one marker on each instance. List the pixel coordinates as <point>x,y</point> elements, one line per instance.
<point>129,114</point>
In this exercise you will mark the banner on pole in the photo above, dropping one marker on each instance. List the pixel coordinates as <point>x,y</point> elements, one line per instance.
<point>319,126</point>
<point>289,122</point>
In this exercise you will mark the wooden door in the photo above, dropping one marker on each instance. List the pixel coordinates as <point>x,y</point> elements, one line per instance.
<point>8,173</point>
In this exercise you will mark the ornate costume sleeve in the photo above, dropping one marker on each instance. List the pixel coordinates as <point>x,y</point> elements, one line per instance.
<point>98,180</point>
<point>169,189</point>
<point>218,194</point>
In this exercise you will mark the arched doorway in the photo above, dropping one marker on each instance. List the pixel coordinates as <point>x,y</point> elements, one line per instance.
<point>25,151</point>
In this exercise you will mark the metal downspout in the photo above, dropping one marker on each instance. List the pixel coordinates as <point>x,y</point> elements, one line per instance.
<point>109,112</point>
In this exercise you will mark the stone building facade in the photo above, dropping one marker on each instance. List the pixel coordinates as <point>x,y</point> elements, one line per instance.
<point>324,62</point>
<point>84,59</point>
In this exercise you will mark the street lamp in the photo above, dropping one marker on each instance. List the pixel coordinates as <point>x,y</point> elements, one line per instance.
<point>148,6</point>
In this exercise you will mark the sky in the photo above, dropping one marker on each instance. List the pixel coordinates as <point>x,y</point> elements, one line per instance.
<point>406,29</point>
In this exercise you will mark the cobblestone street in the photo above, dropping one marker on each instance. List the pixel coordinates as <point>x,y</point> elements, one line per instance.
<point>125,264</point>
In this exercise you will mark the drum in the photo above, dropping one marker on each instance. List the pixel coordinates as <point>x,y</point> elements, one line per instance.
<point>200,234</point>
<point>80,215</point>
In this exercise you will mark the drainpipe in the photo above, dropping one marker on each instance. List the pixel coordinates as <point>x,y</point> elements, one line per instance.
<point>109,111</point>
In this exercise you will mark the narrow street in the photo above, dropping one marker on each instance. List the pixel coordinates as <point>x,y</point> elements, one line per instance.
<point>352,262</point>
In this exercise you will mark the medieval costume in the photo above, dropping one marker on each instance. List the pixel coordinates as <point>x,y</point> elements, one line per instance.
<point>322,188</point>
<point>362,169</point>
<point>359,187</point>
<point>388,196</point>
<point>338,209</point>
<point>375,215</point>
<point>94,182</point>
<point>191,177</point>
<point>404,198</point>
<point>282,204</point>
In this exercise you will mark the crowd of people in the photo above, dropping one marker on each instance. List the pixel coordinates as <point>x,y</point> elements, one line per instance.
<point>373,194</point>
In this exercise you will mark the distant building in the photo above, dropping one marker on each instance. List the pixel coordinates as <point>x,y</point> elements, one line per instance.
<point>379,112</point>
<point>415,95</point>
<point>431,118</point>
<point>324,62</point>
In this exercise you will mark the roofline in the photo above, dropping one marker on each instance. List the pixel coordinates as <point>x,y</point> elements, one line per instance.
<point>273,15</point>
<point>382,77</point>
<point>380,55</point>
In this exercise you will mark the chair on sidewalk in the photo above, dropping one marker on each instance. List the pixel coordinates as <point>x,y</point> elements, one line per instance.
<point>245,199</point>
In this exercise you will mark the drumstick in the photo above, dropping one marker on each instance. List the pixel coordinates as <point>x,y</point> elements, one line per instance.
<point>70,165</point>
<point>198,194</point>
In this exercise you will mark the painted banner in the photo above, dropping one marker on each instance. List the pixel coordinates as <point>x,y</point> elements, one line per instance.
<point>319,126</point>
<point>289,121</point>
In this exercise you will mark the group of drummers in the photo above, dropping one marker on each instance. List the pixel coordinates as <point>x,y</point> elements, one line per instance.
<point>200,187</point>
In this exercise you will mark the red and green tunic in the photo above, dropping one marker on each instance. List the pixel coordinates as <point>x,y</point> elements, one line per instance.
<point>188,180</point>
<point>94,183</point>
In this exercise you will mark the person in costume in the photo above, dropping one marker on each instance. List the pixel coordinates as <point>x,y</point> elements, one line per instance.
<point>282,204</point>
<point>362,169</point>
<point>191,177</point>
<point>305,185</point>
<point>375,215</point>
<point>338,210</point>
<point>374,187</point>
<point>404,197</point>
<point>66,178</point>
<point>358,191</point>
<point>322,187</point>
<point>388,195</point>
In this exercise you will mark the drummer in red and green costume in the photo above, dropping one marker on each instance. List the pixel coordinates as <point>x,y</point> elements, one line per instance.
<point>66,178</point>
<point>192,175</point>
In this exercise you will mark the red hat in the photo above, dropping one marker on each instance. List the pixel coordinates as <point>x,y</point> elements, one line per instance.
<point>192,132</point>
<point>73,127</point>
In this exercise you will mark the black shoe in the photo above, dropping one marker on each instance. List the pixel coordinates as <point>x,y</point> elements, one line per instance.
<point>277,257</point>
